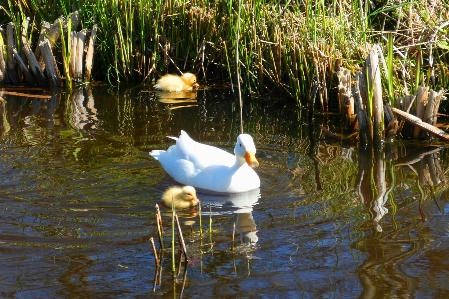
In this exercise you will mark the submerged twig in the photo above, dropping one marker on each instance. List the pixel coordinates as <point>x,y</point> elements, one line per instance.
<point>156,259</point>
<point>159,226</point>
<point>173,238</point>
<point>233,237</point>
<point>184,278</point>
<point>181,239</point>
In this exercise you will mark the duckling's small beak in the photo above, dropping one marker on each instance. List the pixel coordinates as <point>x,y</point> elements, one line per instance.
<point>196,201</point>
<point>251,160</point>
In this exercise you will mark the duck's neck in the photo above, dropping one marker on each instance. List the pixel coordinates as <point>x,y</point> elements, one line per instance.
<point>239,162</point>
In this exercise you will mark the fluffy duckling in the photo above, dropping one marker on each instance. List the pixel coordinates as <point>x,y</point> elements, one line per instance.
<point>169,82</point>
<point>184,197</point>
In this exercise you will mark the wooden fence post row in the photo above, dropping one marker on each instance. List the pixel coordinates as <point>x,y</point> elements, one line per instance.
<point>40,67</point>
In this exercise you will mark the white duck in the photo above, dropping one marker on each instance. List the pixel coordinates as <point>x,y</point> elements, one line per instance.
<point>210,168</point>
<point>180,197</point>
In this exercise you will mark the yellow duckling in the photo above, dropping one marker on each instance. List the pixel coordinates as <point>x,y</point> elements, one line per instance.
<point>184,197</point>
<point>169,82</point>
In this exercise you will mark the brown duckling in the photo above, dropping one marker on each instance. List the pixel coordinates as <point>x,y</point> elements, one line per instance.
<point>169,82</point>
<point>184,197</point>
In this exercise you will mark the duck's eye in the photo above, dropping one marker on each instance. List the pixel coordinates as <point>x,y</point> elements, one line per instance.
<point>240,145</point>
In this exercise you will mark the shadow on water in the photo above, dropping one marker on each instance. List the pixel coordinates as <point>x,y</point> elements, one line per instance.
<point>78,190</point>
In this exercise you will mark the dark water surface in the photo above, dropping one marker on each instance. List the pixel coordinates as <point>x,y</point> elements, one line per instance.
<point>78,189</point>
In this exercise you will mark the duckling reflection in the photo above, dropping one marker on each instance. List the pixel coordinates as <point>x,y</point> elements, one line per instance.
<point>176,100</point>
<point>176,97</point>
<point>240,204</point>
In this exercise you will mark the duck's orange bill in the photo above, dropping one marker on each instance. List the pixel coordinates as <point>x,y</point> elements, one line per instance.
<point>251,159</point>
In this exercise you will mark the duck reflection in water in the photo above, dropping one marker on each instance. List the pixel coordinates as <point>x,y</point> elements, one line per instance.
<point>240,204</point>
<point>246,227</point>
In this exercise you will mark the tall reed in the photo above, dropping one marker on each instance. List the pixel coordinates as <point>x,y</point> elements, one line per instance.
<point>66,50</point>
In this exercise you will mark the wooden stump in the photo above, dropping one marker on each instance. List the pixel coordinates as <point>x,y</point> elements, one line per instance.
<point>10,62</point>
<point>50,66</point>
<point>2,60</point>
<point>90,54</point>
<point>372,72</point>
<point>32,61</point>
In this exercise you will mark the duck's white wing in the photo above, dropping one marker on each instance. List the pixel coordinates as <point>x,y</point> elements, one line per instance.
<point>201,155</point>
<point>187,158</point>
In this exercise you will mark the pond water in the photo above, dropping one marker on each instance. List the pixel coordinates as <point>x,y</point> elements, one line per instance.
<point>78,191</point>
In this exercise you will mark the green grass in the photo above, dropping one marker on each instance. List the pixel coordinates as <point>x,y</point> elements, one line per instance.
<point>284,47</point>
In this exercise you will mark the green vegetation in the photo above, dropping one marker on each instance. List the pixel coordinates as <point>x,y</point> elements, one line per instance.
<point>283,46</point>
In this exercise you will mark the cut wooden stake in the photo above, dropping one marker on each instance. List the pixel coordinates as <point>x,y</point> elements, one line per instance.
<point>90,54</point>
<point>49,63</point>
<point>421,102</point>
<point>32,61</point>
<point>23,66</point>
<point>345,96</point>
<point>75,18</point>
<point>79,61</point>
<point>45,27</point>
<point>10,62</point>
<point>54,33</point>
<point>406,104</point>
<point>375,85</point>
<point>73,46</point>
<point>360,108</point>
<point>2,60</point>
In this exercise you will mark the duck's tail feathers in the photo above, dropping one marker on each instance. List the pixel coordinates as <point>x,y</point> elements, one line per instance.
<point>171,137</point>
<point>156,153</point>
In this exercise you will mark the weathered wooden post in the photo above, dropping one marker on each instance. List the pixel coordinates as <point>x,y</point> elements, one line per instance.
<point>50,66</point>
<point>32,61</point>
<point>10,62</point>
<point>90,54</point>
<point>2,60</point>
<point>374,94</point>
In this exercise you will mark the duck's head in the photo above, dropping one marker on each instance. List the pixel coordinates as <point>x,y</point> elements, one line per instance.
<point>246,149</point>
<point>190,79</point>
